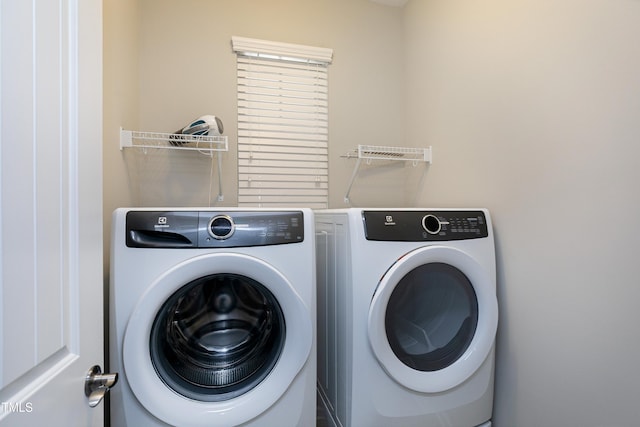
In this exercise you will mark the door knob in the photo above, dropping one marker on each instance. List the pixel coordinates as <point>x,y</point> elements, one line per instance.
<point>97,384</point>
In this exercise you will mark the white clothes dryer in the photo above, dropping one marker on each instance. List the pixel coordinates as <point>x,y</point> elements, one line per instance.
<point>212,317</point>
<point>407,316</point>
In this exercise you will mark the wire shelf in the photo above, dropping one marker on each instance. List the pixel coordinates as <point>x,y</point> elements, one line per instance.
<point>202,143</point>
<point>378,152</point>
<point>205,144</point>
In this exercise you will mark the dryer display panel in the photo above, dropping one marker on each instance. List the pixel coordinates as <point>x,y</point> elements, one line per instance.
<point>431,317</point>
<point>418,226</point>
<point>217,337</point>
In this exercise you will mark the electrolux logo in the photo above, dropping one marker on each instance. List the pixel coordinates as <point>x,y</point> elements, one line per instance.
<point>16,407</point>
<point>388,220</point>
<point>163,222</point>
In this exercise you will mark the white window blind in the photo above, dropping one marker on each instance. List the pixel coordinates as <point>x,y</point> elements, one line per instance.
<point>282,124</point>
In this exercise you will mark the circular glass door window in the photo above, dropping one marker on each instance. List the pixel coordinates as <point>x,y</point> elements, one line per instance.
<point>431,317</point>
<point>217,337</point>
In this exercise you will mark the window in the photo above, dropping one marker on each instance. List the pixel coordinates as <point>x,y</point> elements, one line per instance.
<point>282,124</point>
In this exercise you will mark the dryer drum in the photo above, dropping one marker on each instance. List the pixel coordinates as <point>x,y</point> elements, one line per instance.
<point>217,337</point>
<point>431,317</point>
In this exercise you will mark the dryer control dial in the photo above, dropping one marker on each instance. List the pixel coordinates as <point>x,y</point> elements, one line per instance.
<point>221,227</point>
<point>431,224</point>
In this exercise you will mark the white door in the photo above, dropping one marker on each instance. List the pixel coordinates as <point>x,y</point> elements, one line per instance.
<point>51,321</point>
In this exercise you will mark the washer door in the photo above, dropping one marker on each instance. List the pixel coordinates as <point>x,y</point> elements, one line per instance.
<point>433,319</point>
<point>216,341</point>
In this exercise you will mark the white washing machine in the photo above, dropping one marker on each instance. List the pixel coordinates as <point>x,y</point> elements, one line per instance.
<point>407,317</point>
<point>212,317</point>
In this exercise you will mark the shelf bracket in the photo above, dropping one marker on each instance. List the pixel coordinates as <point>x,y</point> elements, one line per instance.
<point>220,195</point>
<point>353,178</point>
<point>126,139</point>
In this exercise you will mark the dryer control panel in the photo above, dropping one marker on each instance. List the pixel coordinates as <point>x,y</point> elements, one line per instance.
<point>213,229</point>
<point>418,226</point>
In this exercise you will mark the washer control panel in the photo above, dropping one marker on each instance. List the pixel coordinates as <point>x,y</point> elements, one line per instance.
<point>417,226</point>
<point>212,229</point>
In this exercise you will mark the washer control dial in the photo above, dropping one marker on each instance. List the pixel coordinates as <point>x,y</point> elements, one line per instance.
<point>221,227</point>
<point>431,224</point>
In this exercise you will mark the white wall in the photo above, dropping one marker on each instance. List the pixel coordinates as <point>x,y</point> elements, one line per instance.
<point>533,109</point>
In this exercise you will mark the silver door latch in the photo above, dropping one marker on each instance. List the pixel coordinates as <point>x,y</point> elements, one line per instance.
<point>97,384</point>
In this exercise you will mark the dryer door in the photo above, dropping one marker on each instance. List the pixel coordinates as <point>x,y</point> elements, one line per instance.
<point>216,341</point>
<point>433,319</point>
